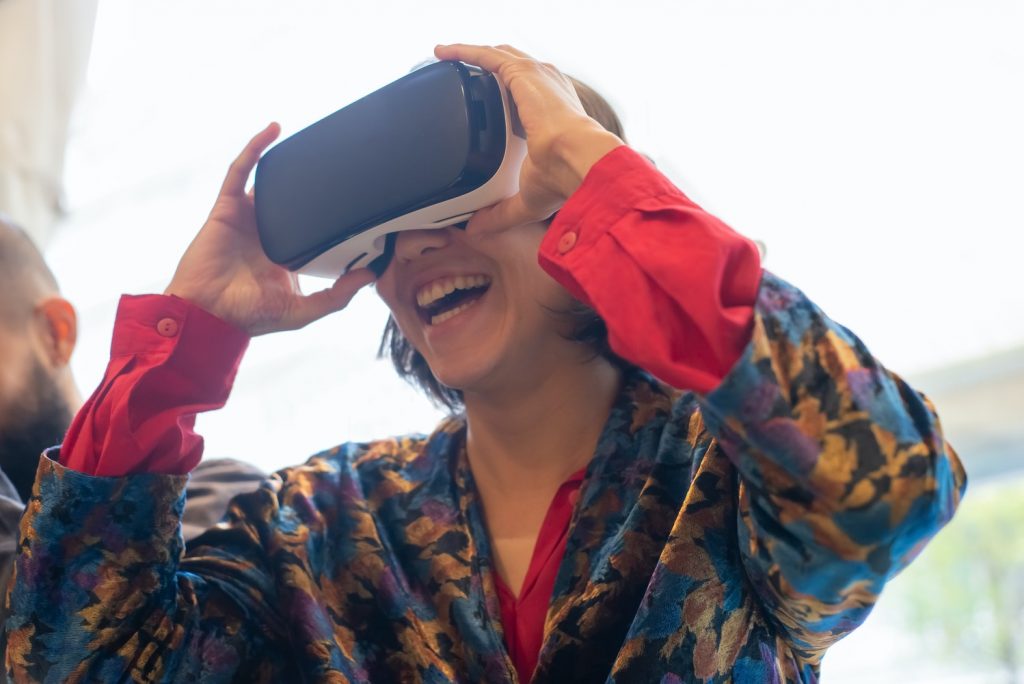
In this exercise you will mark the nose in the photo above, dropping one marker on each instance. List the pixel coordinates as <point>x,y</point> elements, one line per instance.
<point>412,244</point>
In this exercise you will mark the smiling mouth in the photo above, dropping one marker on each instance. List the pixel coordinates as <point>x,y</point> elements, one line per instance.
<point>445,298</point>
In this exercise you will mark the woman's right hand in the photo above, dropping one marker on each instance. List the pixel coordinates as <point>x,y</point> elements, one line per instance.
<point>225,271</point>
<point>562,141</point>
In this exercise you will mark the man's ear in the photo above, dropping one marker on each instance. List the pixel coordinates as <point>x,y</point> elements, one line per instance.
<point>59,329</point>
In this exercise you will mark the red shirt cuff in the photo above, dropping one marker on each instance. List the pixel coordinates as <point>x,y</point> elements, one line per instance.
<point>675,285</point>
<point>169,361</point>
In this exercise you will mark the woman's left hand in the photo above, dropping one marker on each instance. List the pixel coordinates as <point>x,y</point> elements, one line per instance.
<point>562,141</point>
<point>226,272</point>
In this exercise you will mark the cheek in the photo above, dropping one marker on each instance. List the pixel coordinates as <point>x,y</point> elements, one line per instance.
<point>401,317</point>
<point>16,394</point>
<point>12,371</point>
<point>546,294</point>
<point>385,288</point>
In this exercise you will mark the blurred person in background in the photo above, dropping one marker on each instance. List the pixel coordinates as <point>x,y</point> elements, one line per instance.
<point>663,463</point>
<point>38,329</point>
<point>38,395</point>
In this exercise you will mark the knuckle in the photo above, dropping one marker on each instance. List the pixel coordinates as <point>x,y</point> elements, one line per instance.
<point>522,66</point>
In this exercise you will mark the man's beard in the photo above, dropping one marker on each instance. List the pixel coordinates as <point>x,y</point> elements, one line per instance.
<point>33,421</point>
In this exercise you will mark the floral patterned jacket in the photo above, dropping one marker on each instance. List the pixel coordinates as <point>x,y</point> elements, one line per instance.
<point>732,536</point>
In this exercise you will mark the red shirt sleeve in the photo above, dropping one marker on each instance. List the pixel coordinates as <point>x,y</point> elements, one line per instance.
<point>169,360</point>
<point>675,286</point>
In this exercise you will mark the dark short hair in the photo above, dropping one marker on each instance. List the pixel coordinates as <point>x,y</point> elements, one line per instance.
<point>585,325</point>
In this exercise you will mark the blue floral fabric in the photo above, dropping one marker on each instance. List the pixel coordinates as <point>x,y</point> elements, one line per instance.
<point>731,537</point>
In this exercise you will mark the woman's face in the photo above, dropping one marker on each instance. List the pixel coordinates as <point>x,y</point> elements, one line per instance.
<point>478,307</point>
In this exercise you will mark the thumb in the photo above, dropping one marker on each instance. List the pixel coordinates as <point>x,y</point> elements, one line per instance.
<point>505,214</point>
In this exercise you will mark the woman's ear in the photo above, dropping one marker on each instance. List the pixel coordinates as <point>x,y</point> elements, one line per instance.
<point>58,329</point>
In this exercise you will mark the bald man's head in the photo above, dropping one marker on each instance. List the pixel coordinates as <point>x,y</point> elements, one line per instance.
<point>38,330</point>
<point>25,278</point>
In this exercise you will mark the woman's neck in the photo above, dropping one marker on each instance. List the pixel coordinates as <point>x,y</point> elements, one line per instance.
<point>528,440</point>
<point>525,441</point>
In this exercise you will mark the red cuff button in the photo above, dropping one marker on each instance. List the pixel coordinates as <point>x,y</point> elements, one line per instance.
<point>574,497</point>
<point>566,242</point>
<point>168,327</point>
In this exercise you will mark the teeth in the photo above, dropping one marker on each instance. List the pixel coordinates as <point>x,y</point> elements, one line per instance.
<point>442,317</point>
<point>431,292</point>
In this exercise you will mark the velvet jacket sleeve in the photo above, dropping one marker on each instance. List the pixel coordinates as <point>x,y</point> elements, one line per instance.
<point>104,593</point>
<point>844,473</point>
<point>103,528</point>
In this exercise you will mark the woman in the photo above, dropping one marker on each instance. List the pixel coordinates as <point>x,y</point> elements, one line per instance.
<point>581,522</point>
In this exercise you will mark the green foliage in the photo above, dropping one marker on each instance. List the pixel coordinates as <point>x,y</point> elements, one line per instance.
<point>967,588</point>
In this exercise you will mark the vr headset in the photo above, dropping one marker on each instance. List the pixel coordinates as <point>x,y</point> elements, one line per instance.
<point>425,151</point>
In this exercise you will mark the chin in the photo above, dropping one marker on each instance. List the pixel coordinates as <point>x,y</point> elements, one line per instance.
<point>462,376</point>
<point>491,374</point>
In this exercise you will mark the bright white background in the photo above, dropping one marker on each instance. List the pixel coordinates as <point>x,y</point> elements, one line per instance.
<point>876,147</point>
